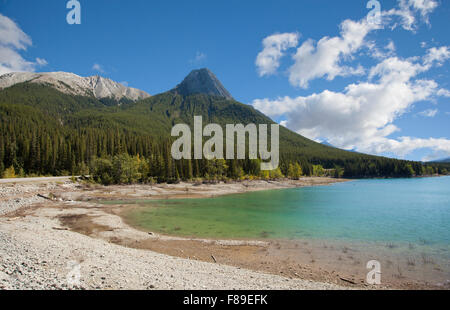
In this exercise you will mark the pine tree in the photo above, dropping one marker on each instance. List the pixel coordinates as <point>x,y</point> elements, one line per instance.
<point>2,168</point>
<point>189,174</point>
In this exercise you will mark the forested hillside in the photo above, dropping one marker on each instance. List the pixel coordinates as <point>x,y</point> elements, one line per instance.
<point>46,132</point>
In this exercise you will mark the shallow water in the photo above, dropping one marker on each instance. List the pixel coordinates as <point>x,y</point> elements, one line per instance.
<point>403,223</point>
<point>396,210</point>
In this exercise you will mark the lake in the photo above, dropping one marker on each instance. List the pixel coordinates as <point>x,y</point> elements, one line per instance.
<point>390,210</point>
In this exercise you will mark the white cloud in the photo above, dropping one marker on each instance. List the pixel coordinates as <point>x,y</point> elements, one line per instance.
<point>443,92</point>
<point>41,61</point>
<point>388,51</point>
<point>396,70</point>
<point>325,58</point>
<point>437,155</point>
<point>274,46</point>
<point>199,57</point>
<point>424,7</point>
<point>12,41</point>
<point>12,35</point>
<point>406,145</point>
<point>98,67</point>
<point>408,11</point>
<point>429,113</point>
<point>437,55</point>
<point>362,116</point>
<point>390,46</point>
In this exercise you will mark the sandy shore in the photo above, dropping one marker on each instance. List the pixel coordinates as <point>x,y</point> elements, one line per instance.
<point>42,241</point>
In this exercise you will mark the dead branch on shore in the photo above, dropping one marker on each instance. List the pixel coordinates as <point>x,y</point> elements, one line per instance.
<point>348,281</point>
<point>45,197</point>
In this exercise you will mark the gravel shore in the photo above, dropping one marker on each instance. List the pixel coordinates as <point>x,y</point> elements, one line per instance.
<point>16,196</point>
<point>37,253</point>
<point>33,255</point>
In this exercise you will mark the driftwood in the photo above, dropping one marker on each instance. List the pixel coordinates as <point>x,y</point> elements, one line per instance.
<point>60,228</point>
<point>42,196</point>
<point>348,281</point>
<point>212,256</point>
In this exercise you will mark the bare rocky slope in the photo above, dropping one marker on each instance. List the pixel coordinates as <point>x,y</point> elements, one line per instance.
<point>73,84</point>
<point>202,81</point>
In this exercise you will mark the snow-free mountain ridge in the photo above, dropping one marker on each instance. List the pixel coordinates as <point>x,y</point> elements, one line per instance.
<point>73,84</point>
<point>202,81</point>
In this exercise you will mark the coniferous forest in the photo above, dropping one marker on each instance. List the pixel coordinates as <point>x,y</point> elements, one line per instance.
<point>46,132</point>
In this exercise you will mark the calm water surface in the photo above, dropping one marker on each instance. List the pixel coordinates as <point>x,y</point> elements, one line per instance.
<point>398,210</point>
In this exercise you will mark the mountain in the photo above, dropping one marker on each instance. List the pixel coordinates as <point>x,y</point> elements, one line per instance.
<point>445,160</point>
<point>54,128</point>
<point>331,145</point>
<point>202,81</point>
<point>73,84</point>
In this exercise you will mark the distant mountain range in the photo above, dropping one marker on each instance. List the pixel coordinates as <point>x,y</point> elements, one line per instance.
<point>73,84</point>
<point>56,122</point>
<point>331,145</point>
<point>445,160</point>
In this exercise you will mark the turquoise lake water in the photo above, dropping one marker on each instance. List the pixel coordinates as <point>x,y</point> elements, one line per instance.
<point>393,210</point>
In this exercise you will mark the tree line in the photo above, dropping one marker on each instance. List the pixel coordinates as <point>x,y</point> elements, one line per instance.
<point>45,132</point>
<point>113,156</point>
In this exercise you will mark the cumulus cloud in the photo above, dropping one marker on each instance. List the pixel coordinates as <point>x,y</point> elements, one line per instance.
<point>443,92</point>
<point>325,58</point>
<point>12,41</point>
<point>408,10</point>
<point>389,50</point>
<point>362,116</point>
<point>437,55</point>
<point>404,145</point>
<point>429,113</point>
<point>424,7</point>
<point>274,47</point>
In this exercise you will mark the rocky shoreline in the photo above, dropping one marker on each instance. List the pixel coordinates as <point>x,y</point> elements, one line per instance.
<point>38,251</point>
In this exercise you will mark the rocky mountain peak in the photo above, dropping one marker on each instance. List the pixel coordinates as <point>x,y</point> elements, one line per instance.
<point>202,81</point>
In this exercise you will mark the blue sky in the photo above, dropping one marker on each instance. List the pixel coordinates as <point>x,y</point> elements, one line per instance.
<point>324,71</point>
